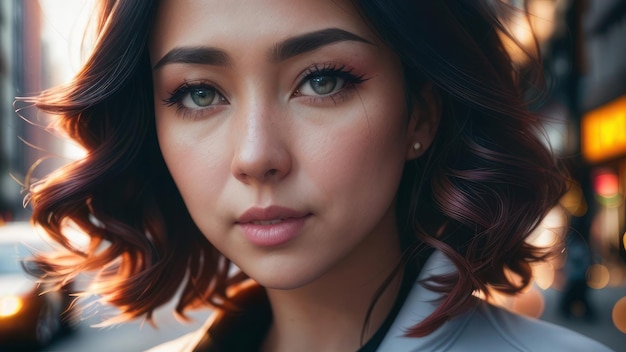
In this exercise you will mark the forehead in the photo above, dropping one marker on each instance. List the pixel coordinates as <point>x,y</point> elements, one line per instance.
<point>242,23</point>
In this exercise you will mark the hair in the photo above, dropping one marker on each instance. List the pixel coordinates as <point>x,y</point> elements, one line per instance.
<point>477,193</point>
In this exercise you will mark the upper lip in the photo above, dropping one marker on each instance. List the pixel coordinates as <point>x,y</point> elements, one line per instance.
<point>270,213</point>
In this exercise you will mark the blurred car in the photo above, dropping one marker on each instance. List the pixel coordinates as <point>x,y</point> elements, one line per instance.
<point>29,314</point>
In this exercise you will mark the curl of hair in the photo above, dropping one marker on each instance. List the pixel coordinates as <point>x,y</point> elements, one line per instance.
<point>144,245</point>
<point>488,179</point>
<point>477,193</point>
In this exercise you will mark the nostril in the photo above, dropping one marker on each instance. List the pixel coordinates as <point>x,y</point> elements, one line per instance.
<point>261,163</point>
<point>243,177</point>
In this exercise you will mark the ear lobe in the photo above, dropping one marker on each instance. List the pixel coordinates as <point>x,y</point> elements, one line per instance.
<point>424,121</point>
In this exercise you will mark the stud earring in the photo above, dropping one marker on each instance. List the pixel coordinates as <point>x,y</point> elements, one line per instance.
<point>417,146</point>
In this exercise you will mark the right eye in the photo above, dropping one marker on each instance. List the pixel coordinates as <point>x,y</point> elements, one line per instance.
<point>322,85</point>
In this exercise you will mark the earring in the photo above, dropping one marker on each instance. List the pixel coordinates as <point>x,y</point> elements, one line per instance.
<point>417,146</point>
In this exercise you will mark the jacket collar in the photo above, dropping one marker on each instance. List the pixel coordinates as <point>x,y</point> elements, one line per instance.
<point>419,304</point>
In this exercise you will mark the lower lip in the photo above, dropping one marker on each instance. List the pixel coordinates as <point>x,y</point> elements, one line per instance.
<point>273,234</point>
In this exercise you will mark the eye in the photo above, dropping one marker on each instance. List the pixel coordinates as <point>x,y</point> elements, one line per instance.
<point>327,80</point>
<point>322,85</point>
<point>195,96</point>
<point>201,98</point>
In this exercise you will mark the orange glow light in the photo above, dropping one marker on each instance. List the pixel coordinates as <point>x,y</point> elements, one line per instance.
<point>10,305</point>
<point>619,315</point>
<point>603,131</point>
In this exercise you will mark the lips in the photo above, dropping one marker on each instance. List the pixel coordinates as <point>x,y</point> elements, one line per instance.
<point>269,215</point>
<point>272,226</point>
<point>267,222</point>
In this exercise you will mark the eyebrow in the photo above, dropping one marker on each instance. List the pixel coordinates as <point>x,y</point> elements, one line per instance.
<point>282,51</point>
<point>194,55</point>
<point>310,41</point>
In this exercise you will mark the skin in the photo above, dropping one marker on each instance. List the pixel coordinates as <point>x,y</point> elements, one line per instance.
<point>272,140</point>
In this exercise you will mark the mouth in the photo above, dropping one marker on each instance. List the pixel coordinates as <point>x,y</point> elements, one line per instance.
<point>272,226</point>
<point>267,222</point>
<point>270,216</point>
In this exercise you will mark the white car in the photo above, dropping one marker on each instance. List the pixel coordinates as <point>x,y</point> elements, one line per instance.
<point>29,317</point>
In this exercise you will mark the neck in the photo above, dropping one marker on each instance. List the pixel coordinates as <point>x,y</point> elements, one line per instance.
<point>330,313</point>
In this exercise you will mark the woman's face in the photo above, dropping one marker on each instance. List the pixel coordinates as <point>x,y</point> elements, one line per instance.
<point>284,125</point>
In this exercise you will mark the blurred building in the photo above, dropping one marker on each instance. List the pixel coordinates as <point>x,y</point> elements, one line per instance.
<point>586,64</point>
<point>20,54</point>
<point>603,121</point>
<point>583,50</point>
<point>25,70</point>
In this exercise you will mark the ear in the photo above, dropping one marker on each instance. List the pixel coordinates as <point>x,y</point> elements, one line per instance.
<point>424,121</point>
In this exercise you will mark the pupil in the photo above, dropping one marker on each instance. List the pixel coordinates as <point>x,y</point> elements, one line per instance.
<point>323,84</point>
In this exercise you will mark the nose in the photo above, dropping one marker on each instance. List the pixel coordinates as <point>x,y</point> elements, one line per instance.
<point>262,152</point>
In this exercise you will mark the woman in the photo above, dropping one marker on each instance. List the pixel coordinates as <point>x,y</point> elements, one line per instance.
<point>368,166</point>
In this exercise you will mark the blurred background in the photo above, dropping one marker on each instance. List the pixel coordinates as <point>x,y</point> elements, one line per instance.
<point>583,45</point>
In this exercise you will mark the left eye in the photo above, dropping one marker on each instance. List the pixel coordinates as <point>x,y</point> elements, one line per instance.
<point>200,98</point>
<point>322,85</point>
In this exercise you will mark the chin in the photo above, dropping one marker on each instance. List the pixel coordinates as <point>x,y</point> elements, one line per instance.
<point>282,280</point>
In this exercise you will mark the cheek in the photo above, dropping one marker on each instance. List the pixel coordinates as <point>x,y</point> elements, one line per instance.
<point>194,163</point>
<point>362,159</point>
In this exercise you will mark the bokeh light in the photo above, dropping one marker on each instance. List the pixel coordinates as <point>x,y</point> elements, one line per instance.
<point>550,230</point>
<point>606,184</point>
<point>597,276</point>
<point>530,303</point>
<point>9,305</point>
<point>619,315</point>
<point>543,274</point>
<point>574,200</point>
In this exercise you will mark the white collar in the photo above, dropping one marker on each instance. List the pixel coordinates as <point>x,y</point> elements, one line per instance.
<point>419,304</point>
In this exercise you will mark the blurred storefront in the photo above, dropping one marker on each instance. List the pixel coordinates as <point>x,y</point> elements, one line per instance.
<point>603,123</point>
<point>603,145</point>
<point>586,61</point>
<point>602,97</point>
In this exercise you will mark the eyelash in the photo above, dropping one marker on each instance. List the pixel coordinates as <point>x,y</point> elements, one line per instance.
<point>176,97</point>
<point>327,70</point>
<point>330,70</point>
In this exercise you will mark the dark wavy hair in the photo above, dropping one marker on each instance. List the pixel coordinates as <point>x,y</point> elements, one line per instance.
<point>477,193</point>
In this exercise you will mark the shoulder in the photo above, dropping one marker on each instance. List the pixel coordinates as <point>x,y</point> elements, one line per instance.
<point>490,328</point>
<point>483,328</point>
<point>509,331</point>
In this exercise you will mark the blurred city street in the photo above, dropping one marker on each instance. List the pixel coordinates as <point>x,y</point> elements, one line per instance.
<point>128,337</point>
<point>602,327</point>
